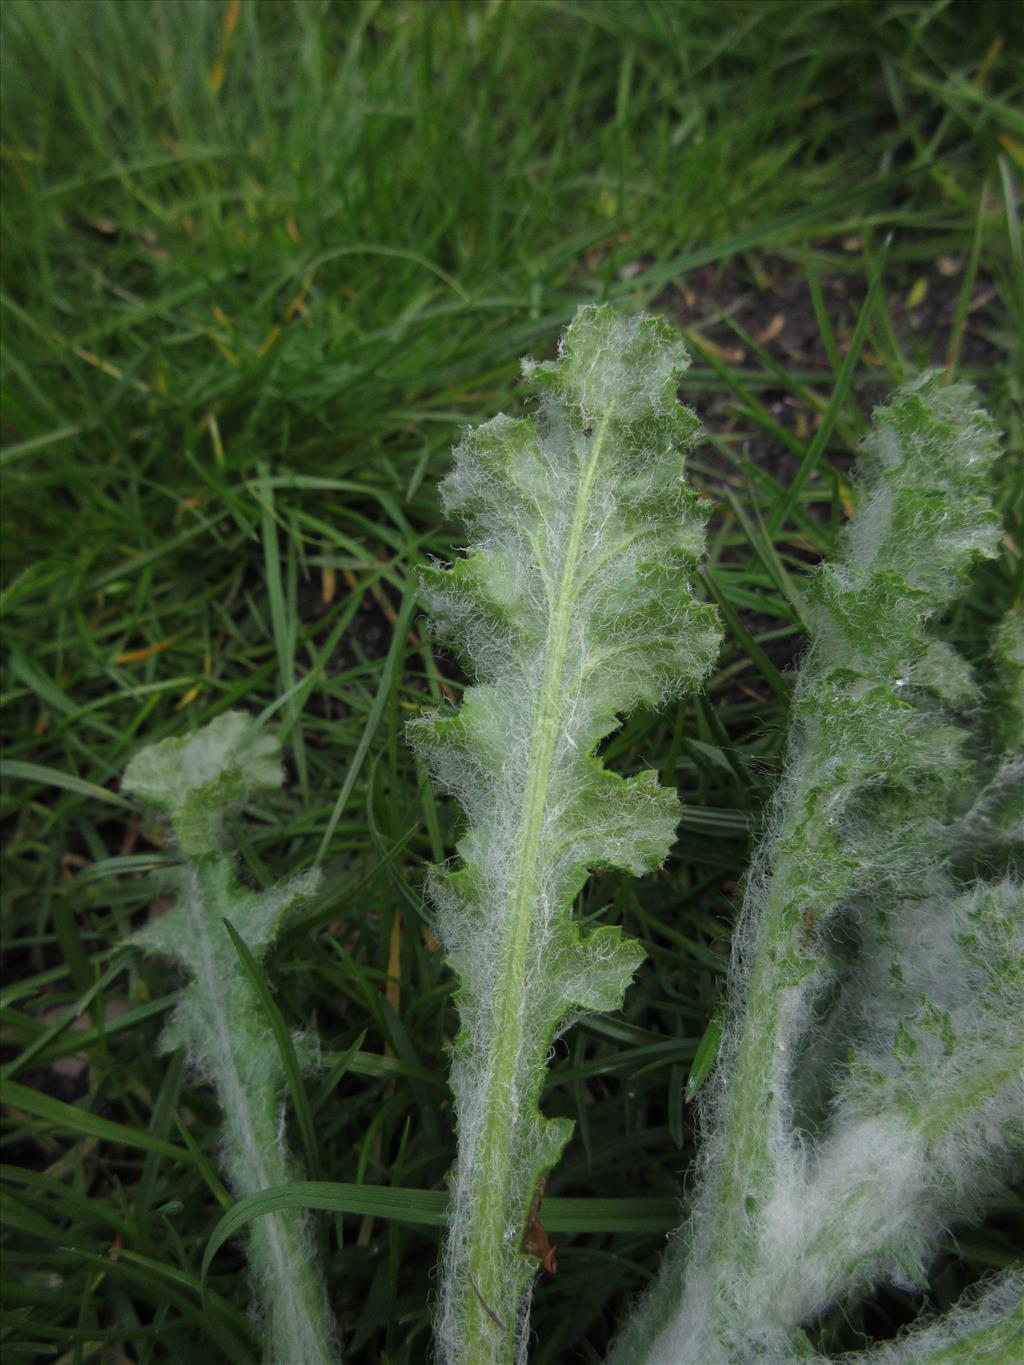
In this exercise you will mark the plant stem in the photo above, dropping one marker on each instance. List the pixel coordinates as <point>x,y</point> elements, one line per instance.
<point>281,1252</point>
<point>290,1286</point>
<point>753,1117</point>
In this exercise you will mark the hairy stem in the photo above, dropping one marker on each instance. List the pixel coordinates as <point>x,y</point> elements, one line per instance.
<point>287,1279</point>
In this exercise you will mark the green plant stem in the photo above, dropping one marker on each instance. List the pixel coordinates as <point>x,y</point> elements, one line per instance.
<point>754,1115</point>
<point>752,1112</point>
<point>282,1251</point>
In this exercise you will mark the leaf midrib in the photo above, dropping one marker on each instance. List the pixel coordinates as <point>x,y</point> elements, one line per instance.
<point>507,1021</point>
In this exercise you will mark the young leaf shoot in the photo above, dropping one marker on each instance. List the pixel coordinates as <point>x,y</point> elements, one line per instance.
<point>572,606</point>
<point>869,1087</point>
<point>194,781</point>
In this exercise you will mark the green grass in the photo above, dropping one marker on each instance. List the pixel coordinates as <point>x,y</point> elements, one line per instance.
<point>255,282</point>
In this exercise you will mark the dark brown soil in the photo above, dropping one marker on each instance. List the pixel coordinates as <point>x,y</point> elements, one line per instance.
<point>769,299</point>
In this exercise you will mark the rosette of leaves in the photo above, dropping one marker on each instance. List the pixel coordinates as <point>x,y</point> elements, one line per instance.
<point>572,606</point>
<point>869,1091</point>
<point>194,781</point>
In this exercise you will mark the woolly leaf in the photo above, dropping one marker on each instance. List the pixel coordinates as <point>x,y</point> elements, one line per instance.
<point>217,1018</point>
<point>869,1083</point>
<point>571,606</point>
<point>986,1328</point>
<point>194,780</point>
